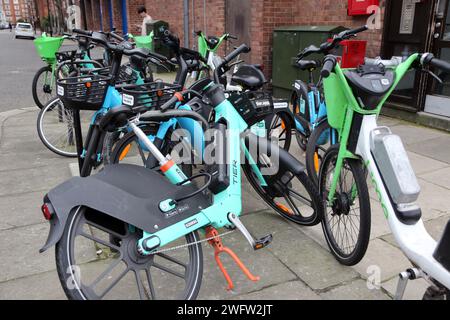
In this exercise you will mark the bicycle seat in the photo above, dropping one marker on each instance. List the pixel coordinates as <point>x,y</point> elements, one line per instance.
<point>249,77</point>
<point>307,64</point>
<point>212,42</point>
<point>370,87</point>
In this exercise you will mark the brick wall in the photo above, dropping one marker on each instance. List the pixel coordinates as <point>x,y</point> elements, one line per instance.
<point>134,20</point>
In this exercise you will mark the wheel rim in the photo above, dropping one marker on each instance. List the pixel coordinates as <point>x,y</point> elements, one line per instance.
<point>342,216</point>
<point>56,128</point>
<point>117,271</point>
<point>280,131</point>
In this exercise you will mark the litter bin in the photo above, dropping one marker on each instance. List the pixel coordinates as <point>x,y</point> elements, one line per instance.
<point>287,43</point>
<point>156,26</point>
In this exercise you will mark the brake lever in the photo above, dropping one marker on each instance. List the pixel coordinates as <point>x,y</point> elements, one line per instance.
<point>435,76</point>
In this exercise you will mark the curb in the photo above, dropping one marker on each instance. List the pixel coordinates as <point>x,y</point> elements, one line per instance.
<point>11,113</point>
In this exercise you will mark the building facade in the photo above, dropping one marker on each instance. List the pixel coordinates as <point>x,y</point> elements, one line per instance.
<point>398,27</point>
<point>18,10</point>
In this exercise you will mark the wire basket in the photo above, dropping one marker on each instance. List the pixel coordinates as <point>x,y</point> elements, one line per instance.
<point>48,46</point>
<point>149,95</point>
<point>85,92</point>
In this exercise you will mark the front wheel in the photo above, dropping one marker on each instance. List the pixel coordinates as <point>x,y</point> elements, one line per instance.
<point>346,223</point>
<point>43,86</point>
<point>92,267</point>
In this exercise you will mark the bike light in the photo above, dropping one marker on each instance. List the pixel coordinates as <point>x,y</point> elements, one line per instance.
<point>47,211</point>
<point>88,84</point>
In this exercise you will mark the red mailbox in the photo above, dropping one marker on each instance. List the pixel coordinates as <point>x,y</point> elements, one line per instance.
<point>359,7</point>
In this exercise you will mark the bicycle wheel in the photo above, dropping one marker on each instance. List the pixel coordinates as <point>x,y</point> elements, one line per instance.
<point>279,129</point>
<point>128,149</point>
<point>55,127</point>
<point>346,223</point>
<point>293,196</point>
<point>43,86</point>
<point>300,108</point>
<point>91,267</point>
<point>321,139</point>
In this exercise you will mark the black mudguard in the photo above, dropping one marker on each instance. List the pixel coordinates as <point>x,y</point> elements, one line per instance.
<point>126,192</point>
<point>287,162</point>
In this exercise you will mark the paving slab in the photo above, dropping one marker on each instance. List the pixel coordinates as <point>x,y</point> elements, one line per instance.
<point>41,286</point>
<point>261,263</point>
<point>292,290</point>
<point>310,262</point>
<point>21,210</point>
<point>412,134</point>
<point>355,290</point>
<point>433,148</point>
<point>19,252</point>
<point>439,177</point>
<point>423,165</point>
<point>30,180</point>
<point>383,259</point>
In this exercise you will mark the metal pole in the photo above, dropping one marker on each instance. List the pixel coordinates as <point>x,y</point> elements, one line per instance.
<point>186,23</point>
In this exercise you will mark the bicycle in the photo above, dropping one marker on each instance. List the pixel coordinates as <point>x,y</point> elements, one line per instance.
<point>54,122</point>
<point>313,134</point>
<point>122,201</point>
<point>354,100</point>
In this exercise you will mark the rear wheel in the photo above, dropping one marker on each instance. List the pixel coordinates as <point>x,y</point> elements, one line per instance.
<point>91,267</point>
<point>346,222</point>
<point>300,108</point>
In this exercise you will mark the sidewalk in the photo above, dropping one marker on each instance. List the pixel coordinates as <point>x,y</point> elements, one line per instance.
<point>297,265</point>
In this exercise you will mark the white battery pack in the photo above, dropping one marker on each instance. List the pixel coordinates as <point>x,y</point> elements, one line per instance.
<point>393,162</point>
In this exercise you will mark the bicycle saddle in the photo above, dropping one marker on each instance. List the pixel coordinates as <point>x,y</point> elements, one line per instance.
<point>249,77</point>
<point>212,42</point>
<point>307,64</point>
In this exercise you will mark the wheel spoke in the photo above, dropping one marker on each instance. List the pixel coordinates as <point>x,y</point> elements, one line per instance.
<point>300,197</point>
<point>120,277</point>
<point>97,240</point>
<point>107,271</point>
<point>172,259</point>
<point>168,270</point>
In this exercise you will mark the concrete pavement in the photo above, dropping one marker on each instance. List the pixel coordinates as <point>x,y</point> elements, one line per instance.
<point>297,265</point>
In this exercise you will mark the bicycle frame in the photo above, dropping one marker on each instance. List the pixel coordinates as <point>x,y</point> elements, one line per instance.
<point>225,202</point>
<point>414,240</point>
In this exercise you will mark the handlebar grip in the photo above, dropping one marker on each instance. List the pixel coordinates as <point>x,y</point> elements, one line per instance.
<point>358,30</point>
<point>177,97</point>
<point>82,32</point>
<point>440,64</point>
<point>328,66</point>
<point>243,48</point>
<point>230,36</point>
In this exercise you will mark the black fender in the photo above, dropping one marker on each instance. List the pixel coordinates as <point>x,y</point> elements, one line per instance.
<point>286,160</point>
<point>129,193</point>
<point>300,88</point>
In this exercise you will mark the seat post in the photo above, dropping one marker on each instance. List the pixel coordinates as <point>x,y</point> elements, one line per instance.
<point>311,76</point>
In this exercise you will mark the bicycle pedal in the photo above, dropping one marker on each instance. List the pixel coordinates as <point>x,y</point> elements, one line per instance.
<point>263,242</point>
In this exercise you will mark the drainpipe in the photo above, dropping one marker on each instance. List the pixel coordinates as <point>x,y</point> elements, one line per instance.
<point>83,10</point>
<point>186,23</point>
<point>110,9</point>
<point>124,17</point>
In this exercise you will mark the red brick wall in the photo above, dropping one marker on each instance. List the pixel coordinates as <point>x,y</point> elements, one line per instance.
<point>105,15</point>
<point>117,15</point>
<point>134,20</point>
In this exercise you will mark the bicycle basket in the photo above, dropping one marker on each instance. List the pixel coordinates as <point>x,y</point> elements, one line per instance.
<point>48,46</point>
<point>85,92</point>
<point>144,41</point>
<point>335,100</point>
<point>149,95</point>
<point>126,75</point>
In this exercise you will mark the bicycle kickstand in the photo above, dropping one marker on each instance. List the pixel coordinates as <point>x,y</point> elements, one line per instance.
<point>218,246</point>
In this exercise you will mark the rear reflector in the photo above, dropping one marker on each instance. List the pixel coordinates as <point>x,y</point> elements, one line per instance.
<point>47,211</point>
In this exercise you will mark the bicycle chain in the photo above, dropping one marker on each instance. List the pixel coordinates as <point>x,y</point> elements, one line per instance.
<point>191,244</point>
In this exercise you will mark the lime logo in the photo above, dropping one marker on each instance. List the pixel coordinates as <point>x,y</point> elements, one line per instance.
<point>377,190</point>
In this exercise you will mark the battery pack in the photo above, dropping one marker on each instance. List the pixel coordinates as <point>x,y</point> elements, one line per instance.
<point>394,166</point>
<point>219,169</point>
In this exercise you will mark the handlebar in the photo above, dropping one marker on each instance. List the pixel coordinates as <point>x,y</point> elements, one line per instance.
<point>178,97</point>
<point>82,32</point>
<point>116,36</point>
<point>243,48</point>
<point>328,66</point>
<point>429,59</point>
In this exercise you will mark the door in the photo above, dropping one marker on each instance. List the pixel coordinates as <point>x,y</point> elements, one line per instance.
<point>438,94</point>
<point>408,30</point>
<point>238,23</point>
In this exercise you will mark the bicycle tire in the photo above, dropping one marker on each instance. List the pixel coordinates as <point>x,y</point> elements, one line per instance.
<point>302,138</point>
<point>312,157</point>
<point>362,240</point>
<point>39,103</point>
<point>72,285</point>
